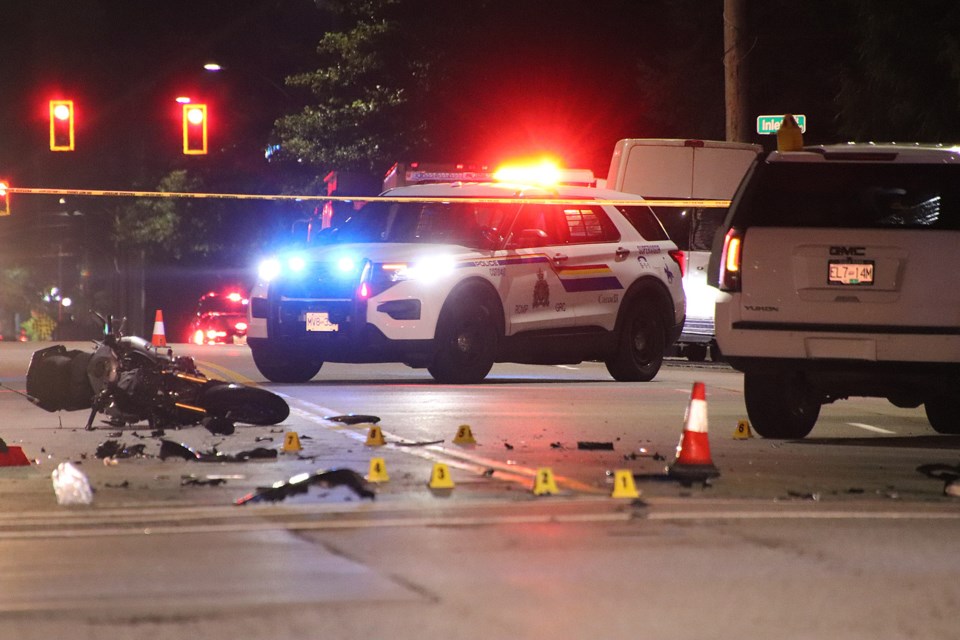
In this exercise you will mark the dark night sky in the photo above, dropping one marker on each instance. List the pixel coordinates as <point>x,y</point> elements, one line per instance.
<point>535,76</point>
<point>125,62</point>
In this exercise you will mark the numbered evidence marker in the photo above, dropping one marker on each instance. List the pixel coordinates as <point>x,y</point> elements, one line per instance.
<point>464,435</point>
<point>378,470</point>
<point>440,478</point>
<point>375,437</point>
<point>291,442</point>
<point>545,484</point>
<point>742,431</point>
<point>623,485</point>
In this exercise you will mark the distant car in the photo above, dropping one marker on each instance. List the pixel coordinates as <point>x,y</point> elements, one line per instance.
<point>837,274</point>
<point>221,319</point>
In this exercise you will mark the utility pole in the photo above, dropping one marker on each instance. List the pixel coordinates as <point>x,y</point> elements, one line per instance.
<point>735,82</point>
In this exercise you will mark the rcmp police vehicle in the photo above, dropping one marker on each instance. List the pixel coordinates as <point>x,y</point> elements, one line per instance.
<point>473,274</point>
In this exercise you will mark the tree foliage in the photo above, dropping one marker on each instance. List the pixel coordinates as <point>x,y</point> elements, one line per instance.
<point>362,114</point>
<point>902,81</point>
<point>167,227</point>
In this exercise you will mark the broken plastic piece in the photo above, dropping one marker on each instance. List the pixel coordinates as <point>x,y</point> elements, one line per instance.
<point>353,418</point>
<point>117,449</point>
<point>302,482</point>
<point>595,446</point>
<point>171,449</point>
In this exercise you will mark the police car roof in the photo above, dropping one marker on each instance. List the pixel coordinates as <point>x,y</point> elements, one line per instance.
<point>871,152</point>
<point>506,190</point>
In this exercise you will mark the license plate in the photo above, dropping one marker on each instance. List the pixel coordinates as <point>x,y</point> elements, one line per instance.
<point>319,321</point>
<point>850,273</point>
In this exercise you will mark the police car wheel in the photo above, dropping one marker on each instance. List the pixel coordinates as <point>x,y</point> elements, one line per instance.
<point>466,343</point>
<point>284,366</point>
<point>640,346</point>
<point>942,413</point>
<point>780,405</point>
<point>695,352</point>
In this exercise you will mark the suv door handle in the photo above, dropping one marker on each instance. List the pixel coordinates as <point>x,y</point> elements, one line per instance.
<point>559,258</point>
<point>622,253</point>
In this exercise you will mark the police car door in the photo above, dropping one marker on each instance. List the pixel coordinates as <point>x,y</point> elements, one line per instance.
<point>588,264</point>
<point>534,298</point>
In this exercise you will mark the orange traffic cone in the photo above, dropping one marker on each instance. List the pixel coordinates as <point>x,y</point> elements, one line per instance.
<point>159,338</point>
<point>693,461</point>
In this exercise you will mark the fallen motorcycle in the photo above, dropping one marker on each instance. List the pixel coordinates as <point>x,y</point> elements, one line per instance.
<point>130,380</point>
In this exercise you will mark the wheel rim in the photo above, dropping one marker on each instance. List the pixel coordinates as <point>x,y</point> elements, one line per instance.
<point>642,350</point>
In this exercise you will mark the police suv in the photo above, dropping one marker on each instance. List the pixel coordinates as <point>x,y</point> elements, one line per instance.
<point>837,267</point>
<point>472,274</point>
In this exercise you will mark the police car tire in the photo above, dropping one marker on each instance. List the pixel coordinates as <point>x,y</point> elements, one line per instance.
<point>640,345</point>
<point>466,341</point>
<point>779,405</point>
<point>284,367</point>
<point>942,413</point>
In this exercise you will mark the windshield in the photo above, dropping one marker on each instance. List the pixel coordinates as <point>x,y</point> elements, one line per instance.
<point>472,225</point>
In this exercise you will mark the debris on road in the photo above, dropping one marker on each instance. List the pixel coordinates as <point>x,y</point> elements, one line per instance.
<point>418,443</point>
<point>302,482</point>
<point>119,450</point>
<point>71,485</point>
<point>171,449</point>
<point>194,481</point>
<point>815,497</point>
<point>11,456</point>
<point>352,418</point>
<point>594,446</point>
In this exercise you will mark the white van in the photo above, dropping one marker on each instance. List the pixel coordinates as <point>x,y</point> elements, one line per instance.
<point>686,170</point>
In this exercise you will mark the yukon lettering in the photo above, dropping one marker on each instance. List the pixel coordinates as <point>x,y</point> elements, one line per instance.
<point>753,307</point>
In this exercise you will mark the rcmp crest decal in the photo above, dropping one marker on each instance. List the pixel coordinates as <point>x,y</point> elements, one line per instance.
<point>541,291</point>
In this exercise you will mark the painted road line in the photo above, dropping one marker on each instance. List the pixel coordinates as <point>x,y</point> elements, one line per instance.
<point>870,427</point>
<point>435,453</point>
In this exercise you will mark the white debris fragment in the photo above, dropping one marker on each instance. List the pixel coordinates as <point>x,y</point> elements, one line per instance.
<point>71,485</point>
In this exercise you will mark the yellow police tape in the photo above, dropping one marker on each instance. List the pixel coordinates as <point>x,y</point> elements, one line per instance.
<point>299,198</point>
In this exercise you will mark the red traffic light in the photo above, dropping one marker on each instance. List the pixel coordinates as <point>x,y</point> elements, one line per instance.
<point>194,129</point>
<point>61,125</point>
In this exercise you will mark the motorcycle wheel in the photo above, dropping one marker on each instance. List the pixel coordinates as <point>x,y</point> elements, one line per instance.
<point>249,405</point>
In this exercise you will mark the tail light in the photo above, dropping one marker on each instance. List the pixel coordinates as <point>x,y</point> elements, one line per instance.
<point>730,261</point>
<point>681,259</point>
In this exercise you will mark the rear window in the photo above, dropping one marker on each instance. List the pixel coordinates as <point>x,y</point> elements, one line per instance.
<point>855,195</point>
<point>644,221</point>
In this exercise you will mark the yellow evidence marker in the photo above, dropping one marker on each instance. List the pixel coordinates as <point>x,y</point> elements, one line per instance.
<point>742,431</point>
<point>378,470</point>
<point>464,435</point>
<point>623,485</point>
<point>375,437</point>
<point>440,477</point>
<point>291,442</point>
<point>545,484</point>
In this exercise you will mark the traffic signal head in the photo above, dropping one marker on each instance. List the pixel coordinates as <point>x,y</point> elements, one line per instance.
<point>61,125</point>
<point>4,198</point>
<point>194,129</point>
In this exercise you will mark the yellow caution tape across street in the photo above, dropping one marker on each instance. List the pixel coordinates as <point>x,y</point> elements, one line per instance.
<point>302,198</point>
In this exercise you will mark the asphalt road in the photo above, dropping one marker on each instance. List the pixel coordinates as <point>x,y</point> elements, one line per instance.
<point>847,534</point>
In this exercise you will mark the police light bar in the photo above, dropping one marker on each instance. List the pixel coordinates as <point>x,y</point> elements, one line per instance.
<point>403,173</point>
<point>544,173</point>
